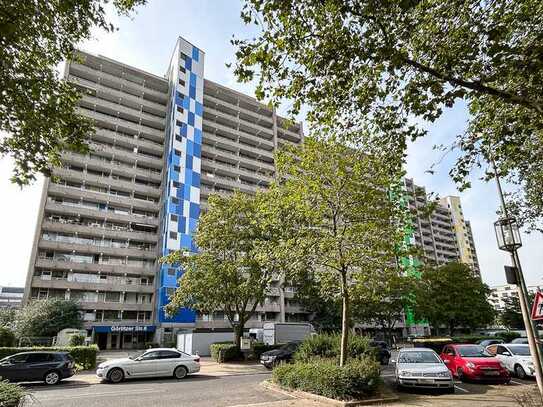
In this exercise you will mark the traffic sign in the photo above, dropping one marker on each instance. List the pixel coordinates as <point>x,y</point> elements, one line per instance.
<point>537,308</point>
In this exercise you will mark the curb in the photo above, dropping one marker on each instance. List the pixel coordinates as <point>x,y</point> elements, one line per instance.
<point>388,398</point>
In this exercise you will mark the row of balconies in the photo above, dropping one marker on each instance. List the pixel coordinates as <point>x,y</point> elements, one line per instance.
<point>129,157</point>
<point>97,230</point>
<point>236,158</point>
<point>61,209</point>
<point>89,286</point>
<point>91,249</point>
<point>251,116</point>
<point>118,95</point>
<point>127,140</point>
<point>51,264</point>
<point>235,147</point>
<point>102,197</point>
<point>255,131</point>
<point>112,81</point>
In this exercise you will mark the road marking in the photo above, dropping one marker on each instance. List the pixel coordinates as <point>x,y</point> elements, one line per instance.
<point>513,381</point>
<point>461,389</point>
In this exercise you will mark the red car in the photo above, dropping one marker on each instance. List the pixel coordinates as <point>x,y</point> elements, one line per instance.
<point>472,362</point>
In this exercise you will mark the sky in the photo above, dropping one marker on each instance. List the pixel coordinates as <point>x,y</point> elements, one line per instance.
<point>146,40</point>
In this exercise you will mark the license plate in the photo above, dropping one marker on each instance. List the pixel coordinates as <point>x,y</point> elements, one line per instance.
<point>426,381</point>
<point>492,373</point>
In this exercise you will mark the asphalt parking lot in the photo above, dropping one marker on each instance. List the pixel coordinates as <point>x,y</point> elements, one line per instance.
<point>495,395</point>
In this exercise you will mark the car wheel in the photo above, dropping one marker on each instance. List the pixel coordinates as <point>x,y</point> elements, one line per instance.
<point>180,372</point>
<point>116,375</point>
<point>460,374</point>
<point>52,378</point>
<point>519,371</point>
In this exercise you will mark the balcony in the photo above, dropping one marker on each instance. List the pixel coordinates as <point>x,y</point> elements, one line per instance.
<point>235,158</point>
<point>115,306</point>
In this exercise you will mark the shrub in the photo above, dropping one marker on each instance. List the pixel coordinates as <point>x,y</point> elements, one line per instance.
<point>77,340</point>
<point>359,378</point>
<point>7,337</point>
<point>225,351</point>
<point>507,336</point>
<point>11,394</point>
<point>149,345</point>
<point>85,356</point>
<point>328,346</point>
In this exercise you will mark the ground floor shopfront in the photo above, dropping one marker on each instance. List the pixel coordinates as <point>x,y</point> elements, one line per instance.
<point>122,337</point>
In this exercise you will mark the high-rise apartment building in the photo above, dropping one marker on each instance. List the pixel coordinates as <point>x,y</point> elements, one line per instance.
<point>11,297</point>
<point>162,145</point>
<point>443,235</point>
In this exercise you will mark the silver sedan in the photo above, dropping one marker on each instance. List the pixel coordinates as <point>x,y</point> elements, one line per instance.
<point>151,363</point>
<point>422,368</point>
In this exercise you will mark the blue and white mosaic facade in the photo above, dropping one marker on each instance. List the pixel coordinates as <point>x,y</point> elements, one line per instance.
<point>181,200</point>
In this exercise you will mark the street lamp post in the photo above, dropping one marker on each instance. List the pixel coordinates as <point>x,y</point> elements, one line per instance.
<point>508,237</point>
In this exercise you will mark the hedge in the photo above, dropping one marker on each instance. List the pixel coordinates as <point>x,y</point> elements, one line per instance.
<point>506,336</point>
<point>328,346</point>
<point>225,351</point>
<point>11,394</point>
<point>7,337</point>
<point>358,379</point>
<point>85,356</point>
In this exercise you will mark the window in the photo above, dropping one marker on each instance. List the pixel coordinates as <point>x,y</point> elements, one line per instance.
<point>150,356</point>
<point>177,152</point>
<point>178,138</point>
<point>171,272</point>
<point>173,218</point>
<point>182,69</point>
<point>39,358</point>
<point>181,82</point>
<point>18,358</point>
<point>180,110</point>
<point>173,235</point>
<point>177,168</point>
<point>175,200</point>
<point>168,354</point>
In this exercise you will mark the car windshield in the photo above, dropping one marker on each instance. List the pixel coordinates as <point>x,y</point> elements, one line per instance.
<point>290,346</point>
<point>136,355</point>
<point>520,350</point>
<point>418,357</point>
<point>474,351</point>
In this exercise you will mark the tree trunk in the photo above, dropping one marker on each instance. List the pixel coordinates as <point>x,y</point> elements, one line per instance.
<point>344,321</point>
<point>238,333</point>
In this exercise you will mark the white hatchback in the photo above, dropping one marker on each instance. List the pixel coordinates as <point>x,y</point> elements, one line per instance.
<point>515,357</point>
<point>158,362</point>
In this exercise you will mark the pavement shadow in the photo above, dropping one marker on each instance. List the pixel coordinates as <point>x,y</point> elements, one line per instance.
<point>63,384</point>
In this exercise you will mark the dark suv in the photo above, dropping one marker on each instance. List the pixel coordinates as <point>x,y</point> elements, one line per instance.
<point>272,358</point>
<point>50,367</point>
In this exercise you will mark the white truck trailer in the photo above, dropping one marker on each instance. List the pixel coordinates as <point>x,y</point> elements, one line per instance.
<point>283,332</point>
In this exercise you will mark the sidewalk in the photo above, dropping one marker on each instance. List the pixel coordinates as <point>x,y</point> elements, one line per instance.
<point>208,367</point>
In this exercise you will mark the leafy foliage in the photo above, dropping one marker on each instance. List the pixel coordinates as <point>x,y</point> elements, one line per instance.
<point>511,316</point>
<point>374,65</point>
<point>77,340</point>
<point>85,356</point>
<point>234,266</point>
<point>7,337</point>
<point>356,380</point>
<point>225,352</point>
<point>381,300</point>
<point>452,296</point>
<point>328,346</point>
<point>47,317</point>
<point>7,317</point>
<point>346,225</point>
<point>11,394</point>
<point>38,110</point>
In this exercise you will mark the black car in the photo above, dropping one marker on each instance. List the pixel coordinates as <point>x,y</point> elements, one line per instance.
<point>272,358</point>
<point>383,354</point>
<point>50,367</point>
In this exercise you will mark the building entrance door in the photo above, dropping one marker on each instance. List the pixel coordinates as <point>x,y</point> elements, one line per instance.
<point>101,340</point>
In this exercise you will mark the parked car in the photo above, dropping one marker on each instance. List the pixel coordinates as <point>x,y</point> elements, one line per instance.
<point>523,340</point>
<point>472,362</point>
<point>515,357</point>
<point>150,363</point>
<point>422,368</point>
<point>285,353</point>
<point>49,367</point>
<point>383,353</point>
<point>487,342</point>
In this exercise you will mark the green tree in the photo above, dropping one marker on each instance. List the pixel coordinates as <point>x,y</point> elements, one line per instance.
<point>382,298</point>
<point>233,269</point>
<point>511,316</point>
<point>43,318</point>
<point>7,317</point>
<point>452,296</point>
<point>38,109</point>
<point>367,64</point>
<point>350,225</point>
<point>7,337</point>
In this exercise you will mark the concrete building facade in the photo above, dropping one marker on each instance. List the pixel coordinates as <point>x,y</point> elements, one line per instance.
<point>11,297</point>
<point>162,145</point>
<point>499,293</point>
